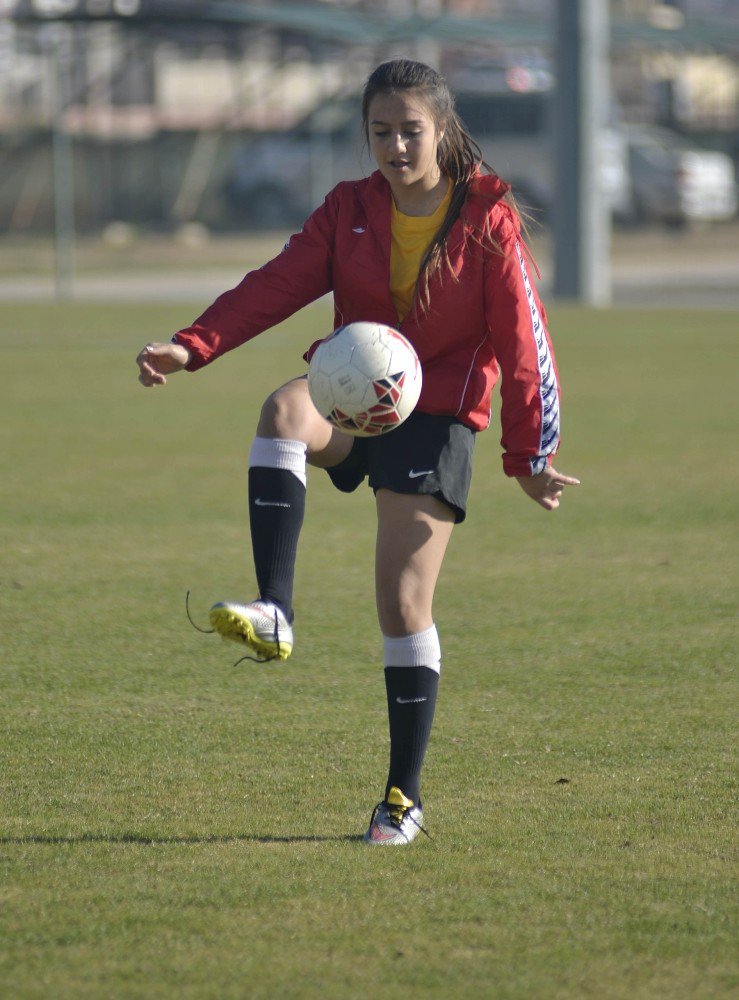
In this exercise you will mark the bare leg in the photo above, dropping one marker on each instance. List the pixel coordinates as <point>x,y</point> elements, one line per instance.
<point>413,533</point>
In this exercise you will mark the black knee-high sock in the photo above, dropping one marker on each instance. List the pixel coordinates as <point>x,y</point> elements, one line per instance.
<point>276,509</point>
<point>411,700</point>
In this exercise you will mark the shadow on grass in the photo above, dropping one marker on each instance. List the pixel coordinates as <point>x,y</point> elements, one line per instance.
<point>133,838</point>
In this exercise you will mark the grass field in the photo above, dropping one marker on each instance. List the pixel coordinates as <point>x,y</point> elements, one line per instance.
<point>175,826</point>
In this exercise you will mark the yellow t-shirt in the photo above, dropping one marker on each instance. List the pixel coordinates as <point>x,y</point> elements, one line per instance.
<point>411,236</point>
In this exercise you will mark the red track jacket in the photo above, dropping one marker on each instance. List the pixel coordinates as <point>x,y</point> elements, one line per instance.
<point>487,321</point>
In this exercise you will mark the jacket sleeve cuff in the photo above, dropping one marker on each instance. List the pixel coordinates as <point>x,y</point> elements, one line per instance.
<point>200,353</point>
<point>517,466</point>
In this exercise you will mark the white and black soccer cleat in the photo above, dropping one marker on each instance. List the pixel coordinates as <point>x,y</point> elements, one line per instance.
<point>395,821</point>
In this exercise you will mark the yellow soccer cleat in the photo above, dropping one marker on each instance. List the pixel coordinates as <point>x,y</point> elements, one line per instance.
<point>261,626</point>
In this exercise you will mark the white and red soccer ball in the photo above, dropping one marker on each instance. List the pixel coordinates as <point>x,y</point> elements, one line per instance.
<point>365,379</point>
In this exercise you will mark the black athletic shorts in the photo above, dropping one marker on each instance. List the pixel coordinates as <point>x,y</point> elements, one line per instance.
<point>427,454</point>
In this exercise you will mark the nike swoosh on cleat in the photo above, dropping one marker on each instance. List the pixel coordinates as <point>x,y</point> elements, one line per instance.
<point>410,701</point>
<point>423,472</point>
<point>377,834</point>
<point>270,503</point>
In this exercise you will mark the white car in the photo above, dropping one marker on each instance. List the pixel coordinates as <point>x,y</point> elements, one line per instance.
<point>516,133</point>
<point>676,182</point>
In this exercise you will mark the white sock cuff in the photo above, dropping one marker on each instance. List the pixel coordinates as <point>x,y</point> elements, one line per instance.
<point>279,453</point>
<point>422,649</point>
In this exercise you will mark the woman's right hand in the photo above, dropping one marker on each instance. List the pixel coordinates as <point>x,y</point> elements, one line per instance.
<point>156,361</point>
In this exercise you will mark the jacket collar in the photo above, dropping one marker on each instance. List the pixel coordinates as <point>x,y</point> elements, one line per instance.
<point>485,191</point>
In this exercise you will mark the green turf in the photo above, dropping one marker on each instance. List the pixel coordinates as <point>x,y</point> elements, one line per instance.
<point>175,826</point>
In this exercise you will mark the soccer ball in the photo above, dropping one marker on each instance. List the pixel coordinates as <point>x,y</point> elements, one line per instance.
<point>365,379</point>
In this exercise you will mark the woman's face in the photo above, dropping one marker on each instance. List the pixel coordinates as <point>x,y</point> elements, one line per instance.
<point>403,140</point>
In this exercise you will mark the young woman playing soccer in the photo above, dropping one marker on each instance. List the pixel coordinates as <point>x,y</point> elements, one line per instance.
<point>430,244</point>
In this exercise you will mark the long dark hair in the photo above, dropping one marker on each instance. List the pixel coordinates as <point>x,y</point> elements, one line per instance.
<point>459,156</point>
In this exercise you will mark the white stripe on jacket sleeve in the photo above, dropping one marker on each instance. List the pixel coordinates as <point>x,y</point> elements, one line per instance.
<point>548,389</point>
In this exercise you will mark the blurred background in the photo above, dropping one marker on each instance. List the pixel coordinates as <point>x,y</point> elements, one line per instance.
<point>184,138</point>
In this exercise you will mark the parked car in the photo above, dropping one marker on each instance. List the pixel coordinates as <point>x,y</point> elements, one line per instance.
<point>279,178</point>
<point>675,182</point>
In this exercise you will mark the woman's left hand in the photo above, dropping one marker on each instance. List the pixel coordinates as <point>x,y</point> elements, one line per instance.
<point>547,487</point>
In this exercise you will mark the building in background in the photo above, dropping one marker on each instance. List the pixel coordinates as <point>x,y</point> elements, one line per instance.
<point>159,102</point>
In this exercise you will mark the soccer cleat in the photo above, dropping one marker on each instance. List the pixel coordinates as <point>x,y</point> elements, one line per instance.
<point>395,821</point>
<point>260,625</point>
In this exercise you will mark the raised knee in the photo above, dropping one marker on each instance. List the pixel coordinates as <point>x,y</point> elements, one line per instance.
<point>283,414</point>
